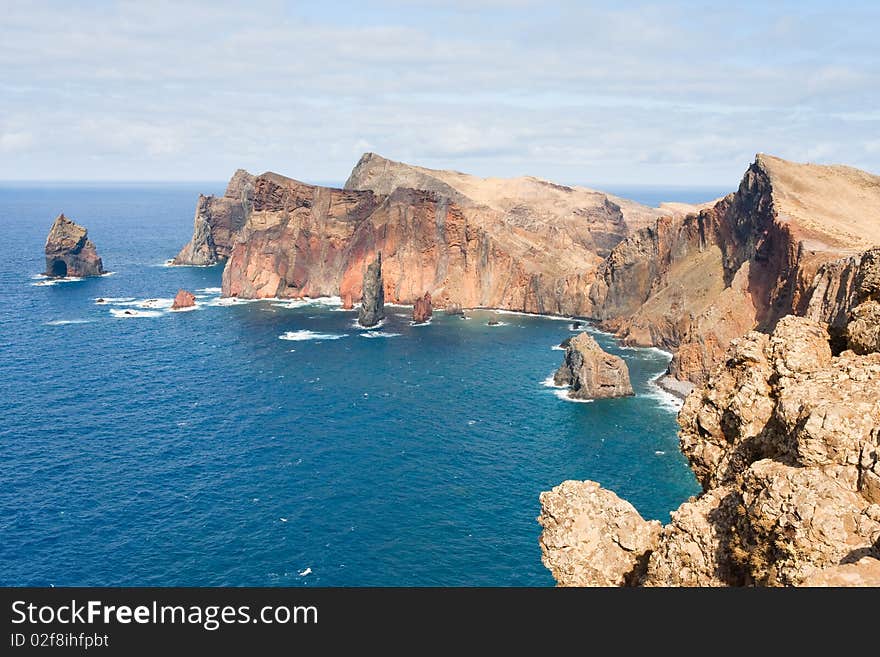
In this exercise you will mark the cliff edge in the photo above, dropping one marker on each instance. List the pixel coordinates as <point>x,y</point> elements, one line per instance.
<point>785,440</point>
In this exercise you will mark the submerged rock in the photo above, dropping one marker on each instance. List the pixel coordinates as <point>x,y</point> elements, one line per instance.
<point>69,251</point>
<point>422,309</point>
<point>590,372</point>
<point>184,299</point>
<point>372,310</point>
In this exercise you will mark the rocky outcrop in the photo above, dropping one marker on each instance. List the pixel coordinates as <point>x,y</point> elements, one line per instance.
<point>372,310</point>
<point>422,309</point>
<point>217,221</point>
<point>454,308</point>
<point>183,299</point>
<point>592,537</point>
<point>591,373</point>
<point>863,330</point>
<point>520,244</point>
<point>69,251</point>
<point>785,439</point>
<point>691,285</point>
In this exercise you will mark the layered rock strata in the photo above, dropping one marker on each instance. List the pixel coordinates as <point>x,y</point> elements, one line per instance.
<point>521,244</point>
<point>590,372</point>
<point>788,241</point>
<point>217,221</point>
<point>372,310</point>
<point>70,252</point>
<point>785,439</point>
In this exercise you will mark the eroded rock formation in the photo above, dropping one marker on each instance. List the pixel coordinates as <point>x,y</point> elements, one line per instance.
<point>785,439</point>
<point>780,245</point>
<point>590,372</point>
<point>521,244</point>
<point>183,299</point>
<point>69,251</point>
<point>217,221</point>
<point>372,310</point>
<point>422,309</point>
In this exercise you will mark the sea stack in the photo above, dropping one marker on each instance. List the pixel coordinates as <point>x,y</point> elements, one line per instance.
<point>184,299</point>
<point>591,373</point>
<point>454,308</point>
<point>422,310</point>
<point>372,310</point>
<point>69,252</point>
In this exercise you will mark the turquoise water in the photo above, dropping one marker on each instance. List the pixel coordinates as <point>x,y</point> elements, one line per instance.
<point>200,448</point>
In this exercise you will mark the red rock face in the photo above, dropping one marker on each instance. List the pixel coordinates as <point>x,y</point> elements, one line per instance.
<point>301,240</point>
<point>69,251</point>
<point>422,309</point>
<point>693,284</point>
<point>183,299</point>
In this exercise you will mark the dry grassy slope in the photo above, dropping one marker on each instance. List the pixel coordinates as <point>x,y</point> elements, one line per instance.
<point>830,207</point>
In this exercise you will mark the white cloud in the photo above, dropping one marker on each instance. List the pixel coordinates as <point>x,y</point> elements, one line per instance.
<point>575,91</point>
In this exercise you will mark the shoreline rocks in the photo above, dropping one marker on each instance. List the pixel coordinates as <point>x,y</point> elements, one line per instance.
<point>69,251</point>
<point>422,309</point>
<point>372,309</point>
<point>785,439</point>
<point>183,299</point>
<point>590,372</point>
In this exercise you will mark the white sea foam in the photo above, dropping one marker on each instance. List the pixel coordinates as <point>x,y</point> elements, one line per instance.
<point>303,573</point>
<point>550,383</point>
<point>556,347</point>
<point>331,302</point>
<point>303,334</point>
<point>45,281</point>
<point>659,452</point>
<point>65,322</point>
<point>497,324</point>
<point>425,323</point>
<point>230,301</point>
<point>559,318</point>
<point>185,309</point>
<point>125,313</point>
<point>101,301</point>
<point>377,325</point>
<point>210,290</point>
<point>563,395</point>
<point>378,334</point>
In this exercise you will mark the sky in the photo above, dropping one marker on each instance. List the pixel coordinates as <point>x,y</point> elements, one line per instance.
<point>643,93</point>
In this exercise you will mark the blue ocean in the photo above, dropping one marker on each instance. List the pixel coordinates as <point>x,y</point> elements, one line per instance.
<point>274,443</point>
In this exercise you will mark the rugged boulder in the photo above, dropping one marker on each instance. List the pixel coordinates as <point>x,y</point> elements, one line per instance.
<point>454,308</point>
<point>863,330</point>
<point>69,251</point>
<point>422,309</point>
<point>590,372</point>
<point>592,537</point>
<point>785,439</point>
<point>183,299</point>
<point>372,310</point>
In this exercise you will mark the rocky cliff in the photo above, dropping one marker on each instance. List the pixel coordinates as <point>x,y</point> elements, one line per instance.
<point>590,372</point>
<point>70,252</point>
<point>521,244</point>
<point>692,284</point>
<point>372,310</point>
<point>217,220</point>
<point>785,439</point>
